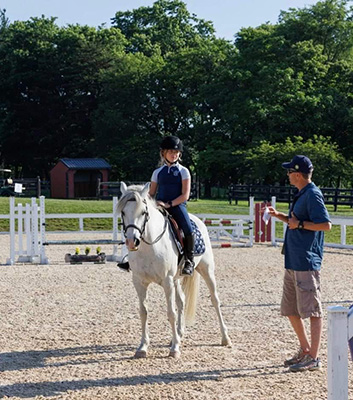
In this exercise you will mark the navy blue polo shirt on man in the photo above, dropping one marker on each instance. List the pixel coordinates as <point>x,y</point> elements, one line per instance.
<point>303,249</point>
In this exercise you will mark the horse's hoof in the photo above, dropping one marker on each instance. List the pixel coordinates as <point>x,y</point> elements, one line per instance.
<point>226,342</point>
<point>174,354</point>
<point>140,354</point>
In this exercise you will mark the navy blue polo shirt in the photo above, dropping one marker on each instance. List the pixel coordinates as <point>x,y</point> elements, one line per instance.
<point>303,249</point>
<point>169,180</point>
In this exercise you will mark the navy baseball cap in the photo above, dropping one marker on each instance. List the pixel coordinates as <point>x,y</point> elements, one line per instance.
<point>299,164</point>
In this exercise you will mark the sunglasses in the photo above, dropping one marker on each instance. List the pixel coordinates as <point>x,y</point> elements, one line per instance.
<point>290,171</point>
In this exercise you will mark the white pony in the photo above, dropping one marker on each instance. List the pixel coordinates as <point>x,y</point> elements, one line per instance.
<point>153,257</point>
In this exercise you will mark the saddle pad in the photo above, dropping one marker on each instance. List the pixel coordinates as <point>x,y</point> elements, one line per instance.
<point>199,242</point>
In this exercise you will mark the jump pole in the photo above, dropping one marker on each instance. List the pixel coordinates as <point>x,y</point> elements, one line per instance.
<point>11,259</point>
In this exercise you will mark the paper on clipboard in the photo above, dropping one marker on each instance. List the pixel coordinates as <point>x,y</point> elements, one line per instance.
<point>266,215</point>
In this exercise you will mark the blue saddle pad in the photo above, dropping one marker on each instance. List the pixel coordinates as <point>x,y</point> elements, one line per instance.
<point>199,242</point>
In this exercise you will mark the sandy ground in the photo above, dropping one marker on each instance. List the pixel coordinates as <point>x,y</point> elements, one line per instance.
<point>70,332</point>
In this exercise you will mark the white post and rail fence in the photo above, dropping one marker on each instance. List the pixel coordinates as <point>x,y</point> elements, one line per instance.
<point>28,229</point>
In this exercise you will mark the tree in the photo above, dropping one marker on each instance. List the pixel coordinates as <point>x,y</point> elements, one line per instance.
<point>49,87</point>
<point>330,167</point>
<point>166,85</point>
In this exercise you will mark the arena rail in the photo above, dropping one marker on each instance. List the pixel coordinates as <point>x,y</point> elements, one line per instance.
<point>339,333</point>
<point>31,223</point>
<point>29,242</point>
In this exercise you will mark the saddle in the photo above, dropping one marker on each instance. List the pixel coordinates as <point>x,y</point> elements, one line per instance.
<point>178,236</point>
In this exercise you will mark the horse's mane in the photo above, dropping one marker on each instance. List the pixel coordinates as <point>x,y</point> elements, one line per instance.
<point>134,194</point>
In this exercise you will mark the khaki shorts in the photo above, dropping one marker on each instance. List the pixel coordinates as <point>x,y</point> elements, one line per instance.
<point>301,294</point>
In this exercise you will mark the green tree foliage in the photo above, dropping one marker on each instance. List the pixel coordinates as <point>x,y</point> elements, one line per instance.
<point>167,86</point>
<point>49,87</point>
<point>241,108</point>
<point>165,27</point>
<point>289,78</point>
<point>264,161</point>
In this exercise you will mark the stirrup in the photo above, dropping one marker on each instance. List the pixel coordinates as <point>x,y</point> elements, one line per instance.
<point>124,266</point>
<point>188,268</point>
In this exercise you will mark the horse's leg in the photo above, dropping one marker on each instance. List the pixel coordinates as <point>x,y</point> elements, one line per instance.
<point>169,291</point>
<point>180,302</point>
<point>141,289</point>
<point>206,270</point>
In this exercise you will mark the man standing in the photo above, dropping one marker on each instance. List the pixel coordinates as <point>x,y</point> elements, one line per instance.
<point>303,251</point>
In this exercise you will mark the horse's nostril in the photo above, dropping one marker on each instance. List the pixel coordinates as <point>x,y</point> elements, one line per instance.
<point>137,242</point>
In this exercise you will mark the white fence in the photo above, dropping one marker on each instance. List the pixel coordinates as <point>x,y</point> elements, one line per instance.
<point>28,235</point>
<point>237,230</point>
<point>339,332</point>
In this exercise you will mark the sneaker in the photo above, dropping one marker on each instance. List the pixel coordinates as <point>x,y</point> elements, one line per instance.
<point>307,364</point>
<point>298,356</point>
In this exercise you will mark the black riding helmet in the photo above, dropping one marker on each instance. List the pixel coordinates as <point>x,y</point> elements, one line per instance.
<point>172,143</point>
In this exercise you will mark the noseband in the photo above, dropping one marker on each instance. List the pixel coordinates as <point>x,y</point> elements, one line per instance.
<point>142,229</point>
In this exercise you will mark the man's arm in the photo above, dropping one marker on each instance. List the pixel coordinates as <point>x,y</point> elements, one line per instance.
<point>281,216</point>
<point>309,225</point>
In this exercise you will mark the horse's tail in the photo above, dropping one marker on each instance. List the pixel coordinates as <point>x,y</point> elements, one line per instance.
<point>190,285</point>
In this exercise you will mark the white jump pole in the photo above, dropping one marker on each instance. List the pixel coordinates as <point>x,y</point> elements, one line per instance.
<point>11,260</point>
<point>273,223</point>
<point>42,255</point>
<point>114,256</point>
<point>24,226</point>
<point>28,229</point>
<point>252,221</point>
<point>20,229</point>
<point>337,353</point>
<point>34,229</point>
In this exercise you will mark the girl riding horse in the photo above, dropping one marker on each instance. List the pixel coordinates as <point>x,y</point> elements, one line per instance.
<point>170,184</point>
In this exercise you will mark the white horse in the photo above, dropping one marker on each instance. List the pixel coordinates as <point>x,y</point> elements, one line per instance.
<point>153,257</point>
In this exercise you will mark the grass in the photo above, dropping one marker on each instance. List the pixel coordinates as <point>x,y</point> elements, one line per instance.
<point>202,206</point>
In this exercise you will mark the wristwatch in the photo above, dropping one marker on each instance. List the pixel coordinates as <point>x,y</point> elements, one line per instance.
<point>170,203</point>
<point>301,225</point>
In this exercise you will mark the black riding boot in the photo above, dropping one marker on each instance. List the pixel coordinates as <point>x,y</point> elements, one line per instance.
<point>124,264</point>
<point>189,244</point>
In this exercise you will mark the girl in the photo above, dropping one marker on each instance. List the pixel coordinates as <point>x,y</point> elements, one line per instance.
<point>171,184</point>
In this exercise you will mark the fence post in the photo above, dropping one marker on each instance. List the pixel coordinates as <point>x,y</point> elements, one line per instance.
<point>34,230</point>
<point>252,220</point>
<point>98,191</point>
<point>115,228</point>
<point>43,257</point>
<point>39,193</point>
<point>337,353</point>
<point>336,200</point>
<point>11,260</point>
<point>273,223</point>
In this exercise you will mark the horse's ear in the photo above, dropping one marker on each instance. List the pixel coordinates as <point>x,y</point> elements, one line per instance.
<point>123,188</point>
<point>145,190</point>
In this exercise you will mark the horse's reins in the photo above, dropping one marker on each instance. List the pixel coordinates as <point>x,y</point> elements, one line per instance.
<point>142,230</point>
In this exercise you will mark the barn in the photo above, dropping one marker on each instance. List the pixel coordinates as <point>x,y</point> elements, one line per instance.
<point>77,177</point>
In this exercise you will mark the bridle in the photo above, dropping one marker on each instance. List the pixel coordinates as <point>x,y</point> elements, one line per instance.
<point>142,229</point>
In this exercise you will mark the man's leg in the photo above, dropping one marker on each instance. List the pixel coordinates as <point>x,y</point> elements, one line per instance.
<point>299,329</point>
<point>316,331</point>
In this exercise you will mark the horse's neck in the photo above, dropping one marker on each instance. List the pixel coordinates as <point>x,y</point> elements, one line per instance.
<point>156,222</point>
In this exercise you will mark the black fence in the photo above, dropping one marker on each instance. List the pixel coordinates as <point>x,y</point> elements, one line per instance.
<point>31,187</point>
<point>285,194</point>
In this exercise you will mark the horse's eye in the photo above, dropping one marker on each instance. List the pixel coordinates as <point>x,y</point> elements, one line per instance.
<point>122,213</point>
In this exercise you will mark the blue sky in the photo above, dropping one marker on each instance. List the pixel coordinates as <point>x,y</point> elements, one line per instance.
<point>228,16</point>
